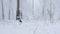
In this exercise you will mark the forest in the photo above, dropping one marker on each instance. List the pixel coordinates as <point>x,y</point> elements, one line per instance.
<point>29,16</point>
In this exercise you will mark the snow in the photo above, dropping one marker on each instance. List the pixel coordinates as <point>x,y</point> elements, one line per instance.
<point>34,27</point>
<point>33,22</point>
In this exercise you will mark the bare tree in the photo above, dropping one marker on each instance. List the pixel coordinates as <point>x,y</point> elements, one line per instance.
<point>19,14</point>
<point>43,8</point>
<point>33,8</point>
<point>9,9</point>
<point>51,11</point>
<point>2,10</point>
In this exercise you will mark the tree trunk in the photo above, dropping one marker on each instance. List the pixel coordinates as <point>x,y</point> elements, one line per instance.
<point>18,12</point>
<point>2,10</point>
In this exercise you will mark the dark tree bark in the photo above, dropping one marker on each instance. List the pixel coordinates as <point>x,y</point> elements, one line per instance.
<point>18,14</point>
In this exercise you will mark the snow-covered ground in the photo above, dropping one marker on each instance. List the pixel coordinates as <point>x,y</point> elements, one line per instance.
<point>31,10</point>
<point>32,27</point>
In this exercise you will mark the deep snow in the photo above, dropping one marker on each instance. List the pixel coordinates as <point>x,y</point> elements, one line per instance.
<point>34,27</point>
<point>30,11</point>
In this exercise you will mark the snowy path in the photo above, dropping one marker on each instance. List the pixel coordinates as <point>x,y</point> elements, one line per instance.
<point>29,28</point>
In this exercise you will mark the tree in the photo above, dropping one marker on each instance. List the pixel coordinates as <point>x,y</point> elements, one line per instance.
<point>51,11</point>
<point>19,14</point>
<point>2,10</point>
<point>43,8</point>
<point>9,9</point>
<point>33,7</point>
